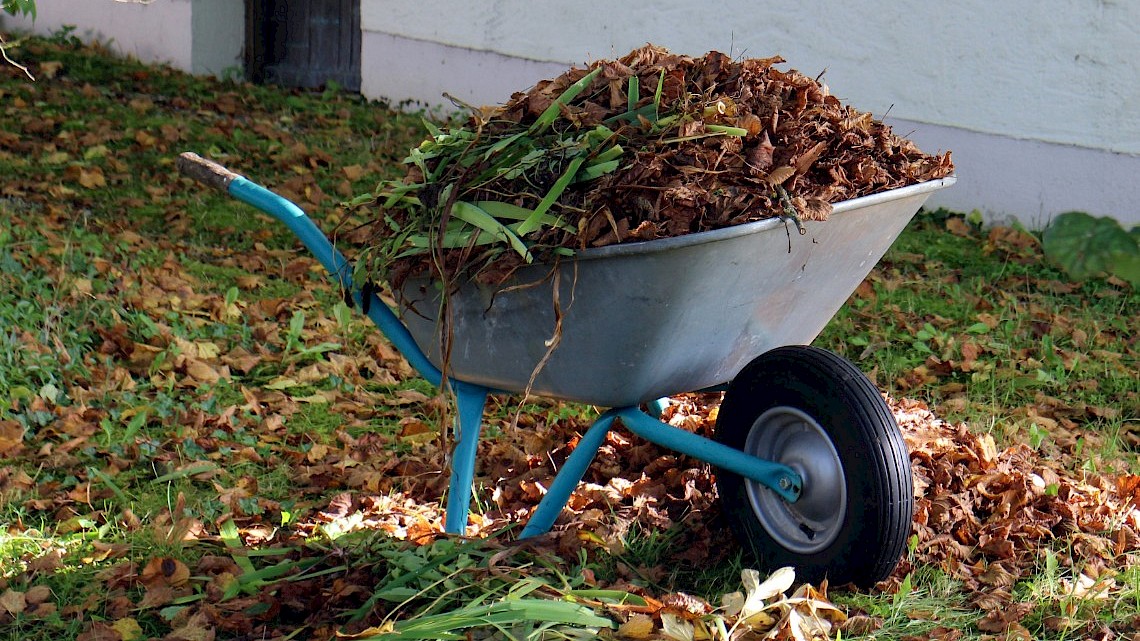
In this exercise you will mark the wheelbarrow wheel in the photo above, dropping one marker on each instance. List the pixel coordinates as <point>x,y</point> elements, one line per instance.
<point>815,412</point>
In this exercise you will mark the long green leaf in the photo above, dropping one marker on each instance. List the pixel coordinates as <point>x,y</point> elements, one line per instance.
<point>725,129</point>
<point>551,113</point>
<point>596,170</point>
<point>469,213</point>
<point>560,185</point>
<point>657,94</point>
<point>508,211</point>
<point>504,613</point>
<point>613,153</point>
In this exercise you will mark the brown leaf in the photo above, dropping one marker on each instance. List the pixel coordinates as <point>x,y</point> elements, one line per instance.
<point>165,571</point>
<point>100,632</point>
<point>861,625</point>
<point>50,68</point>
<point>92,178</point>
<point>639,626</point>
<point>959,227</point>
<point>196,628</point>
<point>778,175</point>
<point>11,438</point>
<point>13,602</point>
<point>1006,619</point>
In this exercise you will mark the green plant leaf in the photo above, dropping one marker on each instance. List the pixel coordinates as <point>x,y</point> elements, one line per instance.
<point>534,221</point>
<point>547,117</point>
<point>508,211</point>
<point>469,213</point>
<point>1085,245</point>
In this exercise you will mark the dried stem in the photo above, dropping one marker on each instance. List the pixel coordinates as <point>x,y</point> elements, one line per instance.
<point>4,52</point>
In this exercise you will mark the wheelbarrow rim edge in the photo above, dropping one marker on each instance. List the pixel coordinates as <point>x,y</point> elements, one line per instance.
<point>699,238</point>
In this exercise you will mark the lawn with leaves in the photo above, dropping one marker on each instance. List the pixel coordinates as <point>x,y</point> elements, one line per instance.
<point>200,441</point>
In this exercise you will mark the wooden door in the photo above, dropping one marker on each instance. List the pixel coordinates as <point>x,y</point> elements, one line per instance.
<point>303,43</point>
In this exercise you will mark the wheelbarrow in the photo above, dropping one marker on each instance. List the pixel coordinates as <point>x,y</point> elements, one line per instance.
<point>811,469</point>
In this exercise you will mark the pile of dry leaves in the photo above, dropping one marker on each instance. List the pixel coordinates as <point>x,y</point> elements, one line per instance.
<point>988,518</point>
<point>797,136</point>
<point>651,145</point>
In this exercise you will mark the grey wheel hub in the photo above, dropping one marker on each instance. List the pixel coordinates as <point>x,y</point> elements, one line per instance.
<point>789,436</point>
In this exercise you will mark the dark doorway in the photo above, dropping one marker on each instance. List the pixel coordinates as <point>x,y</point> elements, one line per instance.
<point>303,43</point>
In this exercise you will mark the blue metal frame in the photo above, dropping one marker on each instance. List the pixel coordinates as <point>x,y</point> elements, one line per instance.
<point>470,398</point>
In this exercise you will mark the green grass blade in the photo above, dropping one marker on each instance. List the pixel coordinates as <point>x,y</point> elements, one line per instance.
<point>111,485</point>
<point>503,144</point>
<point>657,96</point>
<point>596,170</point>
<point>189,470</point>
<point>547,117</point>
<point>532,223</point>
<point>725,129</point>
<point>469,213</point>
<point>633,93</point>
<point>632,115</point>
<point>507,211</point>
<point>613,153</point>
<point>504,613</point>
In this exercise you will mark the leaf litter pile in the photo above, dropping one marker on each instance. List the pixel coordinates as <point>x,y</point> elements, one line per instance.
<point>651,145</point>
<point>176,389</point>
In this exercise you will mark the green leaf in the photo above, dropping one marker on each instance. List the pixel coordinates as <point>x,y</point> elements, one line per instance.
<point>1085,245</point>
<point>508,211</point>
<point>26,7</point>
<point>469,213</point>
<point>560,185</point>
<point>978,328</point>
<point>725,129</point>
<point>1126,266</point>
<point>547,117</point>
<point>596,170</point>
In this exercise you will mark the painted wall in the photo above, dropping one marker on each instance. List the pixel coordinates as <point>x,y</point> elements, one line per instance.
<point>1036,100</point>
<point>1020,90</point>
<point>199,36</point>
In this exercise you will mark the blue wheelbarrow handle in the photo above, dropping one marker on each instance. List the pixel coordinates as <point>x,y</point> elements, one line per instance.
<point>218,177</point>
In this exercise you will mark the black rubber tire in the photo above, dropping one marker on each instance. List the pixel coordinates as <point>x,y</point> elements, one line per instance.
<point>816,412</point>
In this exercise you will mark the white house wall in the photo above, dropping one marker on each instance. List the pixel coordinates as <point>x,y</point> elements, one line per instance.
<point>1037,100</point>
<point>199,36</point>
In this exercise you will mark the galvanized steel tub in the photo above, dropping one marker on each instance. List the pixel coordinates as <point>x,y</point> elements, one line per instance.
<point>646,320</point>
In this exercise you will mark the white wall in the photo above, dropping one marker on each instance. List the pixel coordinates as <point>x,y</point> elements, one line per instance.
<point>218,34</point>
<point>199,36</point>
<point>1036,99</point>
<point>1018,89</point>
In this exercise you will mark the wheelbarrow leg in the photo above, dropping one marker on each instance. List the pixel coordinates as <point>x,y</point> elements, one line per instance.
<point>469,400</point>
<point>568,477</point>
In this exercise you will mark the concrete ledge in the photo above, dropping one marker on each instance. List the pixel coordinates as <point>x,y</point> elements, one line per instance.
<point>1029,180</point>
<point>412,72</point>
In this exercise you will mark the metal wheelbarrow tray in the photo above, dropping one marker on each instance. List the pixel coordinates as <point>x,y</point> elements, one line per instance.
<point>646,320</point>
<point>810,466</point>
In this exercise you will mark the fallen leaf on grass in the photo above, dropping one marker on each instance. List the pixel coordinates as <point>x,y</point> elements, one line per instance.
<point>639,626</point>
<point>11,438</point>
<point>165,571</point>
<point>13,602</point>
<point>100,632</point>
<point>128,629</point>
<point>50,68</point>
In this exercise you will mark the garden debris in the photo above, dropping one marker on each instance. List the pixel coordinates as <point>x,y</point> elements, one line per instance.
<point>648,146</point>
